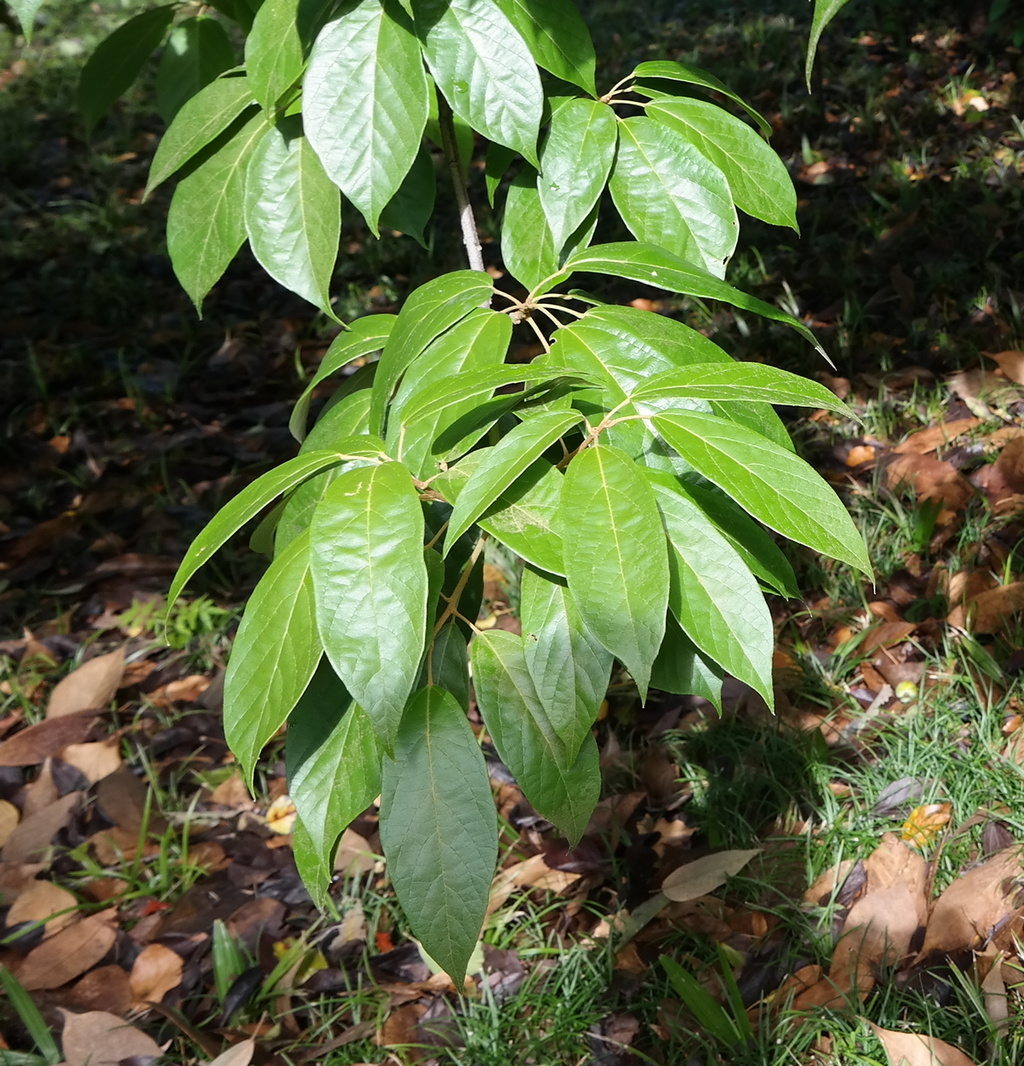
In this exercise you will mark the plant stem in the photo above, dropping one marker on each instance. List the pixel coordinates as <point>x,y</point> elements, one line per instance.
<point>470,236</point>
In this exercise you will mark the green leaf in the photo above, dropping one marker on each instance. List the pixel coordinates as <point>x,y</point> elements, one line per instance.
<point>277,46</point>
<point>371,587</point>
<point>476,344</point>
<point>26,11</point>
<point>671,195</point>
<point>558,38</point>
<point>246,505</point>
<point>652,265</point>
<point>775,486</point>
<point>117,60</point>
<point>199,122</point>
<point>293,214</point>
<point>438,828</point>
<point>206,221</point>
<point>365,335</point>
<point>499,159</point>
<point>365,102</point>
<point>713,595</point>
<point>412,206</point>
<point>426,314</point>
<point>757,177</point>
<point>824,12</point>
<point>333,764</point>
<point>484,68</point>
<point>570,668</point>
<point>616,561</point>
<point>449,662</point>
<point>670,70</point>
<point>528,247</point>
<point>273,656</point>
<point>759,552</point>
<point>502,464</point>
<point>739,382</point>
<point>465,138</point>
<point>525,517</point>
<point>575,162</point>
<point>197,51</point>
<point>564,791</point>
<point>681,669</point>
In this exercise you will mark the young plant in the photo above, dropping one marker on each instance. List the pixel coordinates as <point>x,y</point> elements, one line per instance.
<point>633,465</point>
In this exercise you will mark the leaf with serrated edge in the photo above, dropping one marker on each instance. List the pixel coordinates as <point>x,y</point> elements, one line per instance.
<point>199,122</point>
<point>681,669</point>
<point>713,595</point>
<point>293,214</point>
<point>616,559</point>
<point>570,668</point>
<point>558,38</point>
<point>485,70</point>
<point>273,656</point>
<point>502,464</point>
<point>668,193</point>
<point>438,828</point>
<point>775,486</point>
<point>426,314</point>
<point>563,791</point>
<point>247,504</point>
<point>575,162</point>
<point>757,177</point>
<point>365,102</point>
<point>333,764</point>
<point>370,583</point>
<point>206,222</point>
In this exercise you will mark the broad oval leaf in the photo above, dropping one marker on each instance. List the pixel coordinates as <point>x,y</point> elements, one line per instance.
<point>276,46</point>
<point>370,582</point>
<point>775,486</point>
<point>671,195</point>
<point>117,59</point>
<point>333,762</point>
<point>575,161</point>
<point>197,51</point>
<point>273,656</point>
<point>365,102</point>
<point>563,790</point>
<point>206,222</point>
<point>558,38</point>
<point>439,829</point>
<point>293,214</point>
<point>758,179</point>
<point>199,122</point>
<point>484,68</point>
<point>616,560</point>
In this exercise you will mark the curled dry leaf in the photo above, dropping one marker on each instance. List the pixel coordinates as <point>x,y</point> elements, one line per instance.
<point>90,687</point>
<point>101,1039</point>
<point>68,954</point>
<point>703,876</point>
<point>31,838</point>
<point>927,440</point>
<point>923,825</point>
<point>990,611</point>
<point>155,972</point>
<point>986,394</point>
<point>44,901</point>
<point>1011,363</point>
<point>913,1049</point>
<point>281,815</point>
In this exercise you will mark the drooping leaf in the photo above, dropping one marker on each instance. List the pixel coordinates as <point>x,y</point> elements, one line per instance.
<point>824,12</point>
<point>671,195</point>
<point>334,773</point>
<point>246,505</point>
<point>277,45</point>
<point>502,464</point>
<point>363,336</point>
<point>410,209</point>
<point>428,312</point>
<point>499,158</point>
<point>273,656</point>
<point>365,102</point>
<point>575,161</point>
<point>713,595</point>
<point>438,828</point>
<point>562,790</point>
<point>116,61</point>
<point>671,70</point>
<point>616,560</point>
<point>206,221</point>
<point>681,668</point>
<point>558,38</point>
<point>199,122</point>
<point>293,214</point>
<point>197,51</point>
<point>774,485</point>
<point>569,666</point>
<point>449,662</point>
<point>26,11</point>
<point>483,66</point>
<point>370,582</point>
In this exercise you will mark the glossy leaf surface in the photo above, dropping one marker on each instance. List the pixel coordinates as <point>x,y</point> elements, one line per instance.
<point>557,36</point>
<point>197,51</point>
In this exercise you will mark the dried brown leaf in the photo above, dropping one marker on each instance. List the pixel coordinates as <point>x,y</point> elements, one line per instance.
<point>1011,363</point>
<point>30,840</point>
<point>703,876</point>
<point>927,440</point>
<point>91,687</point>
<point>43,901</point>
<point>105,988</point>
<point>97,760</point>
<point>931,479</point>
<point>38,741</point>
<point>990,611</point>
<point>97,1038</point>
<point>9,817</point>
<point>122,798</point>
<point>68,954</point>
<point>913,1049</point>
<point>239,1054</point>
<point>1010,465</point>
<point>155,972</point>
